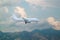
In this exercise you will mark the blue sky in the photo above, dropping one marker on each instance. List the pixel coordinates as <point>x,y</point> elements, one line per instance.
<point>41,9</point>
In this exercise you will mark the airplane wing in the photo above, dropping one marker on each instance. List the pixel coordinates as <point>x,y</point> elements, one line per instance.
<point>33,19</point>
<point>14,17</point>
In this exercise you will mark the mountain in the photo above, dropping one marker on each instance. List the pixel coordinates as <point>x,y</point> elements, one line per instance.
<point>46,34</point>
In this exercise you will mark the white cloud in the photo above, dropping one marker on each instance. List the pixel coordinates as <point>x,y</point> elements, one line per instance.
<point>45,3</point>
<point>53,22</point>
<point>7,22</point>
<point>20,11</point>
<point>5,9</point>
<point>9,2</point>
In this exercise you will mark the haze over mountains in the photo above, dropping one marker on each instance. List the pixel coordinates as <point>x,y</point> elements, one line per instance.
<point>46,34</point>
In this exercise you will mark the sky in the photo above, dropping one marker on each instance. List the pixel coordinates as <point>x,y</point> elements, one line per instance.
<point>47,11</point>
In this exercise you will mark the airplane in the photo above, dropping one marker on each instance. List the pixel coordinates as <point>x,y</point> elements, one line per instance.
<point>26,20</point>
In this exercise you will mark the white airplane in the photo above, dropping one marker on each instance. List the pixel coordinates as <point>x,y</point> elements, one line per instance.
<point>26,20</point>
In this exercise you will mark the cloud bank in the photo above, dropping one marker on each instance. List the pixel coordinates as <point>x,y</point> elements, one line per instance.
<point>21,11</point>
<point>17,27</point>
<point>8,5</point>
<point>9,2</point>
<point>45,3</point>
<point>53,22</point>
<point>5,9</point>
